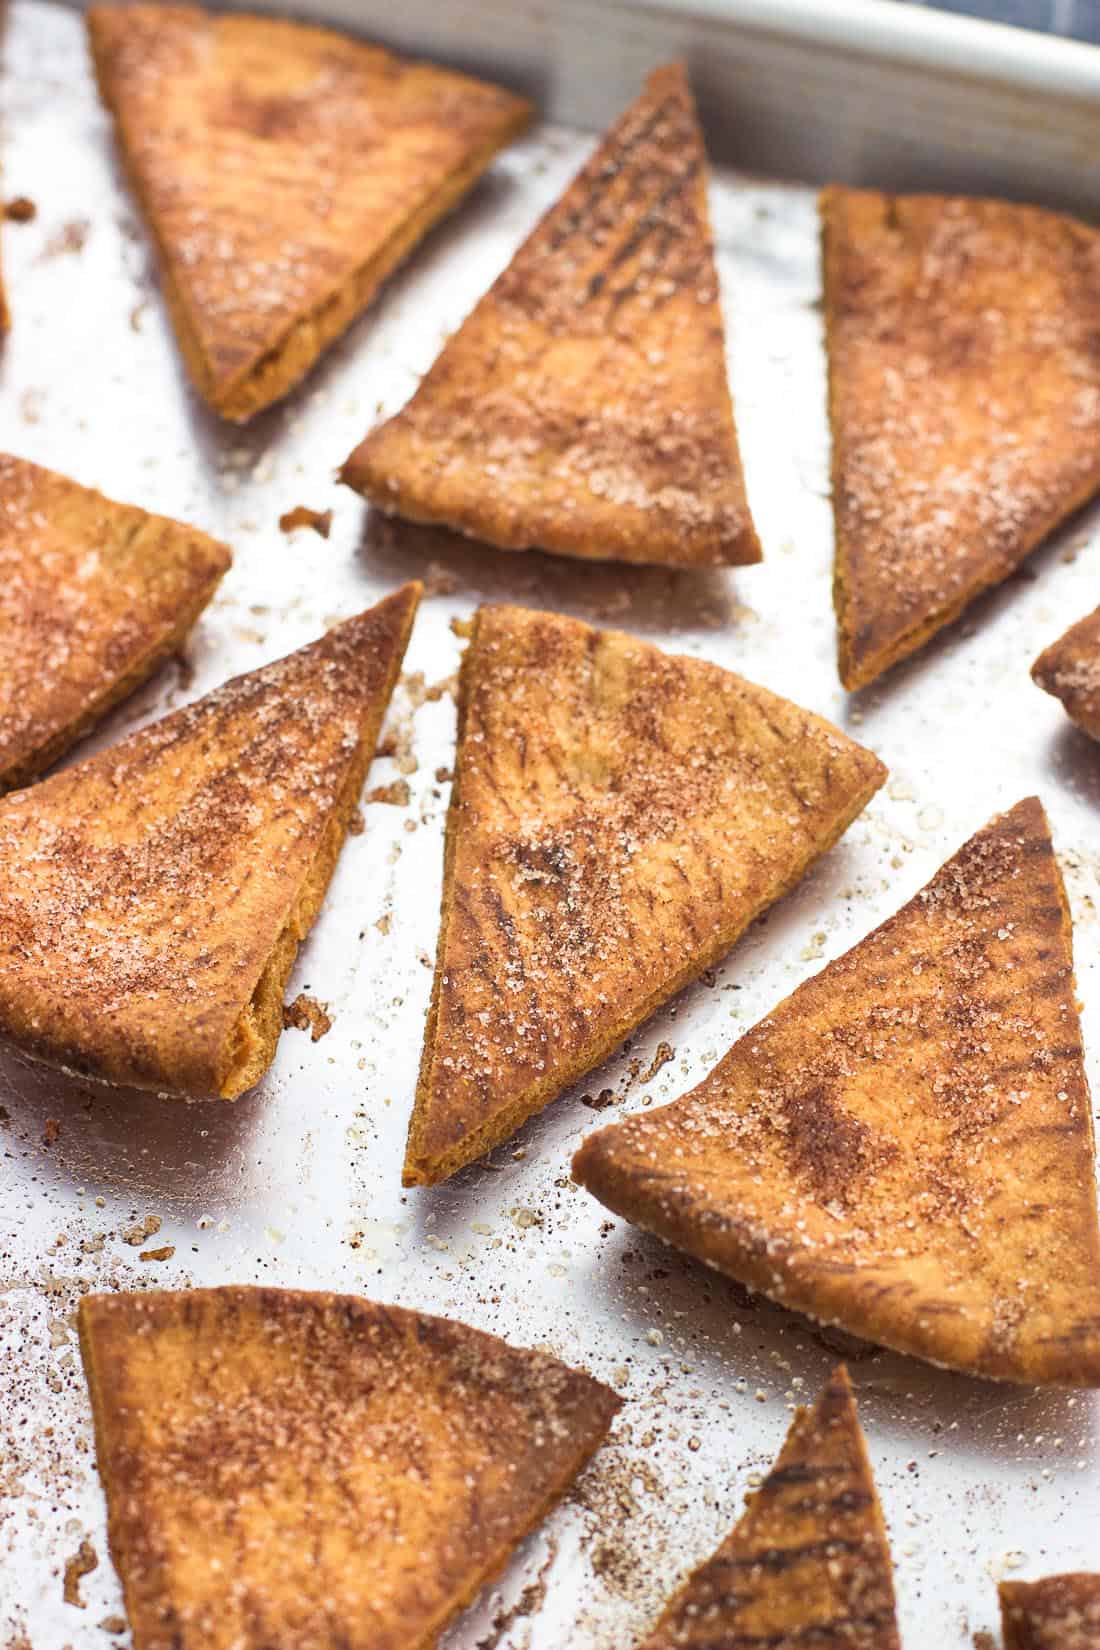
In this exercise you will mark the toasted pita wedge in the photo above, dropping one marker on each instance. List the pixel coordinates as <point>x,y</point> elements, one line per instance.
<point>964,398</point>
<point>1070,669</point>
<point>618,818</point>
<point>93,596</point>
<point>809,1562</point>
<point>904,1146</point>
<point>153,898</point>
<point>285,171</point>
<point>1057,1613</point>
<point>584,405</point>
<point>287,1469</point>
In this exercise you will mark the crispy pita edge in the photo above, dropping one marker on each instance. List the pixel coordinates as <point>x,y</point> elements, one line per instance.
<point>239,395</point>
<point>1059,1612</point>
<point>426,1164</point>
<point>1069,670</point>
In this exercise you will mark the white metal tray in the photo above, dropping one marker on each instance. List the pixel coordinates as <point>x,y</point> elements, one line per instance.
<point>298,1183</point>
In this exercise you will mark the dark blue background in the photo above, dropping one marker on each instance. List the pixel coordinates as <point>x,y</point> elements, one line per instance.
<point>1079,18</point>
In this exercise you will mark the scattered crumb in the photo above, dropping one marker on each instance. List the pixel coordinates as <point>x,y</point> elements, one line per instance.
<point>82,1563</point>
<point>136,1235</point>
<point>665,1052</point>
<point>51,1134</point>
<point>307,1014</point>
<point>439,580</point>
<point>20,210</point>
<point>462,627</point>
<point>71,237</point>
<point>397,793</point>
<point>303,516</point>
<point>165,1253</point>
<point>113,1624</point>
<point>444,775</point>
<point>383,923</point>
<point>598,1102</point>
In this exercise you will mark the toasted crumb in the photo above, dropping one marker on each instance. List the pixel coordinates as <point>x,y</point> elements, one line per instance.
<point>164,1253</point>
<point>135,1235</point>
<point>397,793</point>
<point>307,1014</point>
<point>51,1134</point>
<point>303,516</point>
<point>82,1563</point>
<point>20,210</point>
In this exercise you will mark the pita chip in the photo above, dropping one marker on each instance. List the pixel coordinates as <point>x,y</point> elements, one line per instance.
<point>93,596</point>
<point>284,171</point>
<point>1057,1613</point>
<point>904,1146</point>
<point>619,817</point>
<point>584,406</point>
<point>287,1470</point>
<point>964,400</point>
<point>153,897</point>
<point>1070,670</point>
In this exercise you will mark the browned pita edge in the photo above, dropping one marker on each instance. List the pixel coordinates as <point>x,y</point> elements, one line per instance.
<point>609,755</point>
<point>964,402</point>
<point>5,312</point>
<point>809,1562</point>
<point>584,406</point>
<point>153,898</point>
<point>1070,670</point>
<point>78,641</point>
<point>1057,1613</point>
<point>904,1146</point>
<point>279,177</point>
<point>360,1471</point>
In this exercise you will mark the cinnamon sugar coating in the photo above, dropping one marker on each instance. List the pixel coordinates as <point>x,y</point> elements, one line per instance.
<point>584,406</point>
<point>296,1471</point>
<point>1070,670</point>
<point>93,596</point>
<point>619,816</point>
<point>904,1146</point>
<point>964,398</point>
<point>285,171</point>
<point>1057,1613</point>
<point>153,897</point>
<point>808,1563</point>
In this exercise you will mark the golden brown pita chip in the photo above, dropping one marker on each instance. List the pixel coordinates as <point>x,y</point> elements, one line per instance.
<point>904,1146</point>
<point>1070,669</point>
<point>584,405</point>
<point>93,596</point>
<point>285,171</point>
<point>809,1563</point>
<point>619,817</point>
<point>153,898</point>
<point>293,1471</point>
<point>1057,1613</point>
<point>964,399</point>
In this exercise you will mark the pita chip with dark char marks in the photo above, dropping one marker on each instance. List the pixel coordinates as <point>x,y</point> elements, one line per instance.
<point>94,595</point>
<point>288,1470</point>
<point>284,171</point>
<point>808,1563</point>
<point>1056,1613</point>
<point>964,398</point>
<point>618,819</point>
<point>584,406</point>
<point>903,1148</point>
<point>153,897</point>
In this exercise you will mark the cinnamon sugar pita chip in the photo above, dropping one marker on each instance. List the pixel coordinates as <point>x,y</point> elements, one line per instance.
<point>1057,1613</point>
<point>285,171</point>
<point>964,399</point>
<point>1070,669</point>
<point>153,897</point>
<point>584,406</point>
<point>296,1471</point>
<point>809,1562</point>
<point>904,1146</point>
<point>93,596</point>
<point>619,817</point>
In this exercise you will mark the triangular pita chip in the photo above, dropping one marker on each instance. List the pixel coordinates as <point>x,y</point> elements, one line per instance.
<point>153,898</point>
<point>285,171</point>
<point>1070,669</point>
<point>1057,1613</point>
<point>619,817</point>
<point>93,595</point>
<point>809,1562</point>
<point>964,395</point>
<point>584,405</point>
<point>286,1469</point>
<point>904,1146</point>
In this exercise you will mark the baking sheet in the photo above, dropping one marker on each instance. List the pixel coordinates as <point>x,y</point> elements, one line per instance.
<point>298,1183</point>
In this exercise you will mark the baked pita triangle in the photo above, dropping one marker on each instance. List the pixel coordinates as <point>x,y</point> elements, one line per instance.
<point>584,405</point>
<point>1057,1613</point>
<point>904,1146</point>
<point>285,171</point>
<point>619,817</point>
<point>964,399</point>
<point>153,898</point>
<point>1070,669</point>
<point>286,1469</point>
<point>93,596</point>
<point>809,1562</point>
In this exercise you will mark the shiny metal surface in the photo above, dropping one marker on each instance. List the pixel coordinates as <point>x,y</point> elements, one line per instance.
<point>298,1183</point>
